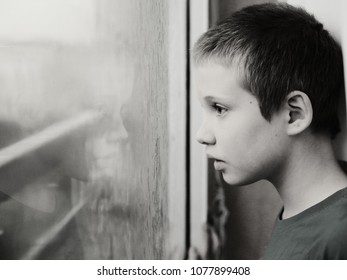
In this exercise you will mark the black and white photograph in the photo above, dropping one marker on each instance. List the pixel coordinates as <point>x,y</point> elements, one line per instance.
<point>193,130</point>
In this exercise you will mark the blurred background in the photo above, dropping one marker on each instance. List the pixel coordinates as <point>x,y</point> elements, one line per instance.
<point>98,157</point>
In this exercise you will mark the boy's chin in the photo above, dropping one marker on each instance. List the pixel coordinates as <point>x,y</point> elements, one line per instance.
<point>236,180</point>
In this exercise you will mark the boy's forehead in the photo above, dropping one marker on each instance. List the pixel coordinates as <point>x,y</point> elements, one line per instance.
<point>218,83</point>
<point>212,74</point>
<point>216,67</point>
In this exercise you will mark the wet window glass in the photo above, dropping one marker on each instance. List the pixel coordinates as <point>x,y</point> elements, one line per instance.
<point>84,134</point>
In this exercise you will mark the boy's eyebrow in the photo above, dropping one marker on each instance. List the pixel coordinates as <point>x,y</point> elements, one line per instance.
<point>213,99</point>
<point>209,98</point>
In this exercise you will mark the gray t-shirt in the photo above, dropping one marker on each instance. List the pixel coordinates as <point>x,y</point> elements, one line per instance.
<point>319,232</point>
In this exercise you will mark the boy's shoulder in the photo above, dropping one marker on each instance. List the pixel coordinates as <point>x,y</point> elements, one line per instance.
<point>331,237</point>
<point>317,233</point>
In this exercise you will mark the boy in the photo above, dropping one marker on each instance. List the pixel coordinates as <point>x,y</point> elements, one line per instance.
<point>269,79</point>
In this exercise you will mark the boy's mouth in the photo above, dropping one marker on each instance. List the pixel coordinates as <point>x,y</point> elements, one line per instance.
<point>210,156</point>
<point>218,164</point>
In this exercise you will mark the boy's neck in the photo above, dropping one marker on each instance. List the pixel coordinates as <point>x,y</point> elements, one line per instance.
<point>310,175</point>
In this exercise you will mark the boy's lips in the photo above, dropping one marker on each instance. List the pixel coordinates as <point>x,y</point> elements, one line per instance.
<point>211,156</point>
<point>218,163</point>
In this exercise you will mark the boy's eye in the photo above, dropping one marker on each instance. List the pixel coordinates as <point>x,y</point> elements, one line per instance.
<point>219,109</point>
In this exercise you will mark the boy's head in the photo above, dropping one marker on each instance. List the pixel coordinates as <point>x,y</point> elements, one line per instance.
<point>279,49</point>
<point>265,74</point>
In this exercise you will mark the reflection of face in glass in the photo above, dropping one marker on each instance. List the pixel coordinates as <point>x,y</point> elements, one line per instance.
<point>104,152</point>
<point>102,81</point>
<point>112,92</point>
<point>105,146</point>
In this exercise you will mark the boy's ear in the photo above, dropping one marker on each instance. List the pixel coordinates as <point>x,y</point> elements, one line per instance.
<point>299,112</point>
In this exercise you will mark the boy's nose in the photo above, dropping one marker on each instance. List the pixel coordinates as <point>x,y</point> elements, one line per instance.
<point>122,134</point>
<point>118,134</point>
<point>205,136</point>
